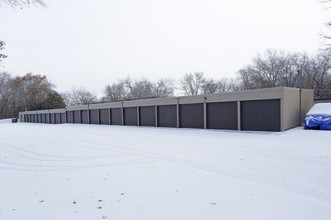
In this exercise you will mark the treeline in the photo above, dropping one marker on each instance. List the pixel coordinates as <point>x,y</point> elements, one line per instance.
<point>277,68</point>
<point>130,89</point>
<point>29,92</point>
<point>270,69</point>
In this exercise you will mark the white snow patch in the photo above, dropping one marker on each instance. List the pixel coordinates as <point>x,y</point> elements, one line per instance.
<point>321,109</point>
<point>7,120</point>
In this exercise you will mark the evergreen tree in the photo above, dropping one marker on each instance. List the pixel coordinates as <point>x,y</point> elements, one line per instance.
<point>53,100</point>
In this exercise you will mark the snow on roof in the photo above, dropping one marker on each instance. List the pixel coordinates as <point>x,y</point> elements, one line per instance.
<point>321,109</point>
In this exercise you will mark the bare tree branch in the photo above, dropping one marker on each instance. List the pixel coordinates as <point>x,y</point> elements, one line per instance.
<point>23,3</point>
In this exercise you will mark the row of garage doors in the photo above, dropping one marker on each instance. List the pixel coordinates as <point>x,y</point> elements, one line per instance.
<point>254,115</point>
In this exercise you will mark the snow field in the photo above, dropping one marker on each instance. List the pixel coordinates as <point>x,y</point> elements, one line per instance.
<point>73,171</point>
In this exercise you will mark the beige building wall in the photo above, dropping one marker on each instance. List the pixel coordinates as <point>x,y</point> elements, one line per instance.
<point>290,108</point>
<point>307,101</point>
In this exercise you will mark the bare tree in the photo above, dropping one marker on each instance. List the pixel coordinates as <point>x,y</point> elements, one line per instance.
<point>210,86</point>
<point>164,88</point>
<point>327,34</point>
<point>81,96</point>
<point>234,85</point>
<point>320,70</point>
<point>274,68</point>
<point>66,98</point>
<point>292,66</point>
<point>192,83</point>
<point>22,3</point>
<point>138,89</point>
<point>2,46</point>
<point>290,70</point>
<point>268,68</point>
<point>114,92</point>
<point>5,95</point>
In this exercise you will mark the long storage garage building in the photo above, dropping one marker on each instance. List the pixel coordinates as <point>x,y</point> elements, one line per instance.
<point>274,109</point>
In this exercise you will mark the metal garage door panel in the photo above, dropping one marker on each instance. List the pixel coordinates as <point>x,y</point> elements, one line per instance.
<point>58,118</point>
<point>147,116</point>
<point>191,116</point>
<point>94,116</point>
<point>167,116</point>
<point>77,117</point>
<point>104,116</point>
<point>222,115</point>
<point>85,116</point>
<point>130,116</point>
<point>39,118</point>
<point>70,117</point>
<point>53,118</point>
<point>47,118</point>
<point>260,115</point>
<point>116,116</point>
<point>63,118</point>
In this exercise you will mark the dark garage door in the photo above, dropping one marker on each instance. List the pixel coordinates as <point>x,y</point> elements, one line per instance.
<point>48,120</point>
<point>39,118</point>
<point>104,116</point>
<point>85,117</point>
<point>58,118</point>
<point>77,117</point>
<point>260,115</point>
<point>53,118</point>
<point>63,117</point>
<point>43,118</point>
<point>130,116</point>
<point>94,116</point>
<point>191,116</point>
<point>167,116</point>
<point>70,117</point>
<point>116,116</point>
<point>222,115</point>
<point>147,116</point>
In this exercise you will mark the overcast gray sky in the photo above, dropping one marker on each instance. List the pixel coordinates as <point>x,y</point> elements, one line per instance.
<point>91,43</point>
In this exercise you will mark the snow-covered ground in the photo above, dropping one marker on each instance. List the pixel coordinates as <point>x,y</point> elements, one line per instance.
<point>138,173</point>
